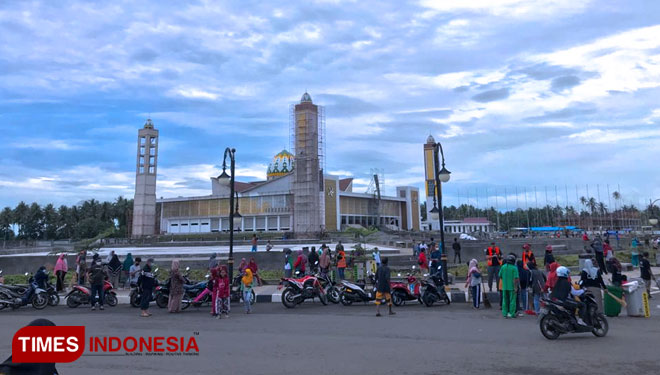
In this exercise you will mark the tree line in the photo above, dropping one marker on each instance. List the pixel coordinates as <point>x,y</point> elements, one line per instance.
<point>85,220</point>
<point>592,214</point>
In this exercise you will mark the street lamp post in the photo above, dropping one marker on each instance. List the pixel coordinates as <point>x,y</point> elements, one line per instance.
<point>653,220</point>
<point>440,176</point>
<point>226,179</point>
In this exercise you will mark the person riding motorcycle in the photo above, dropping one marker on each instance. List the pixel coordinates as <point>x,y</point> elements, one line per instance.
<point>39,281</point>
<point>563,290</point>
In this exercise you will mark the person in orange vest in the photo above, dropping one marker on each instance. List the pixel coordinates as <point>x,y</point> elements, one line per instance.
<point>528,255</point>
<point>341,260</point>
<point>494,258</point>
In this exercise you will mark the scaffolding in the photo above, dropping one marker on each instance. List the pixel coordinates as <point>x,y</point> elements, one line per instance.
<point>307,142</point>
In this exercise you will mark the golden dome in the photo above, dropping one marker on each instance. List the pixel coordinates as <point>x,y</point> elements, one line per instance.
<point>281,165</point>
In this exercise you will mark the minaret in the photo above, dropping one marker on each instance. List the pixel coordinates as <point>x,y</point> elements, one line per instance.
<point>307,186</point>
<point>429,178</point>
<point>144,203</point>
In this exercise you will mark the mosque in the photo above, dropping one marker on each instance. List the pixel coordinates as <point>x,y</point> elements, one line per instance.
<point>297,196</point>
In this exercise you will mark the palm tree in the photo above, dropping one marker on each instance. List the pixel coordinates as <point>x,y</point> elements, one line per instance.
<point>617,197</point>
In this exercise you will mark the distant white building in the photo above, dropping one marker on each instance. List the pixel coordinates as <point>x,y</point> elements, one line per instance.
<point>467,225</point>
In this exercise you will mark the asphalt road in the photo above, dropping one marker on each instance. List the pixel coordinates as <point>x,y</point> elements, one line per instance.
<point>350,340</point>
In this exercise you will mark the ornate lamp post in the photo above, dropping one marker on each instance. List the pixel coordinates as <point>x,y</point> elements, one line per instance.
<point>437,212</point>
<point>234,216</point>
<point>654,220</point>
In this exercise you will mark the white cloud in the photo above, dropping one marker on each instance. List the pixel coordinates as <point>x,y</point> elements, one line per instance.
<point>509,8</point>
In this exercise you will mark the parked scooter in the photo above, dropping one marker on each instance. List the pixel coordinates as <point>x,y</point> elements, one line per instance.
<point>433,290</point>
<point>296,291</point>
<point>81,295</point>
<point>406,291</point>
<point>357,292</point>
<point>53,297</point>
<point>17,296</point>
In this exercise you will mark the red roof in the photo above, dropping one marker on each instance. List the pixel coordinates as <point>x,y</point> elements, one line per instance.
<point>344,183</point>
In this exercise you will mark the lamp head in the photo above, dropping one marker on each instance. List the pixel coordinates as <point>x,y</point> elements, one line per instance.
<point>443,175</point>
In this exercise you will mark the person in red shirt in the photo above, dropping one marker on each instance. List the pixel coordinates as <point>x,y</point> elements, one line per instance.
<point>221,293</point>
<point>252,265</point>
<point>423,263</point>
<point>299,265</point>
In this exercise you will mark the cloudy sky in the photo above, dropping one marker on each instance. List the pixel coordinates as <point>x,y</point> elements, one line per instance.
<point>521,93</point>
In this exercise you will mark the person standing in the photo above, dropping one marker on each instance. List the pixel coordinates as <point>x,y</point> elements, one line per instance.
<point>422,262</point>
<point>376,255</point>
<point>81,267</point>
<point>324,261</point>
<point>147,281</point>
<point>548,258</point>
<point>645,272</point>
<point>341,261</point>
<point>383,291</point>
<point>222,300</point>
<point>109,257</point>
<point>415,248</point>
<point>97,275</point>
<point>634,252</point>
<point>608,253</point>
<point>537,283</point>
<point>508,273</point>
<point>288,263</point>
<point>252,265</point>
<point>592,279</point>
<point>246,289</point>
<point>457,250</point>
<point>435,255</point>
<point>299,264</point>
<point>474,282</point>
<point>312,260</point>
<point>525,277</point>
<point>176,288</point>
<point>528,255</point>
<point>61,268</point>
<point>254,243</point>
<point>493,256</point>
<point>213,261</point>
<point>128,263</point>
<point>552,277</point>
<point>597,247</point>
<point>114,269</point>
<point>134,272</point>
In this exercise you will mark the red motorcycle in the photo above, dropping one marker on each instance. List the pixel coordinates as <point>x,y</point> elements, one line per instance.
<point>296,291</point>
<point>81,295</point>
<point>408,291</point>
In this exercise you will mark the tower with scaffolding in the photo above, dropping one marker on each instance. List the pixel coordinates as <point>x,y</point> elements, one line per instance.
<point>307,140</point>
<point>374,189</point>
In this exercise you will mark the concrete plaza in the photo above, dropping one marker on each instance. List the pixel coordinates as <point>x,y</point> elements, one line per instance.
<point>350,340</point>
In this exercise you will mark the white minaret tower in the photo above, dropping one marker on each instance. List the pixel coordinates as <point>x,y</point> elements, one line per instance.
<point>144,203</point>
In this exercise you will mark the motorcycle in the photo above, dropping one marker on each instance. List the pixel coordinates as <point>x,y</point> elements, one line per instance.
<point>196,294</point>
<point>556,319</point>
<point>331,288</point>
<point>236,295</point>
<point>53,297</point>
<point>163,291</point>
<point>433,290</point>
<point>357,292</point>
<point>81,295</point>
<point>135,297</point>
<point>296,291</point>
<point>20,295</point>
<point>406,291</point>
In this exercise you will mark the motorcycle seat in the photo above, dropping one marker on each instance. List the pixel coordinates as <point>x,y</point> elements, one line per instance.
<point>15,287</point>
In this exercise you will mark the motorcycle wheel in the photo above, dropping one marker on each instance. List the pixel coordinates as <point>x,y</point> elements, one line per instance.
<point>397,299</point>
<point>53,299</point>
<point>162,300</point>
<point>287,299</point>
<point>547,325</point>
<point>323,298</point>
<point>110,299</point>
<point>333,294</point>
<point>345,301</point>
<point>427,298</point>
<point>40,301</point>
<point>135,301</point>
<point>73,300</point>
<point>185,301</point>
<point>601,327</point>
<point>4,305</point>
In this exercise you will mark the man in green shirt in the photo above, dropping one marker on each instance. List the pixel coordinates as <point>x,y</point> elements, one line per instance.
<point>510,279</point>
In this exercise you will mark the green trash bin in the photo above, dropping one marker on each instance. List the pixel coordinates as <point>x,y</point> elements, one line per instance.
<point>610,306</point>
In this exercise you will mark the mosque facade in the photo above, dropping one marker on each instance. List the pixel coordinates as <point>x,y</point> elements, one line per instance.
<point>297,196</point>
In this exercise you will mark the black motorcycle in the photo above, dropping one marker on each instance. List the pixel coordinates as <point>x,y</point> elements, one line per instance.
<point>135,297</point>
<point>558,318</point>
<point>53,297</point>
<point>332,290</point>
<point>433,290</point>
<point>17,296</point>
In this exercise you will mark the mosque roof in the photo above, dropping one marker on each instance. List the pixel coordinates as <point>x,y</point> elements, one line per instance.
<point>306,98</point>
<point>282,164</point>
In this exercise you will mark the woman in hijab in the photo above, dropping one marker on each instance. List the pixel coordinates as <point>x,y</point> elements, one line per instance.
<point>114,266</point>
<point>213,262</point>
<point>592,279</point>
<point>324,261</point>
<point>176,288</point>
<point>552,277</point>
<point>128,262</point>
<point>61,268</point>
<point>254,268</point>
<point>242,266</point>
<point>474,282</point>
<point>146,281</point>
<point>10,368</point>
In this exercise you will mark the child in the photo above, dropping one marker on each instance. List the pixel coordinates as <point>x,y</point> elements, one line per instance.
<point>213,285</point>
<point>246,288</point>
<point>221,291</point>
<point>474,282</point>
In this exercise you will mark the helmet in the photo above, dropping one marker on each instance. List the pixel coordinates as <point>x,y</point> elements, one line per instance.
<point>563,271</point>
<point>511,259</point>
<point>527,246</point>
